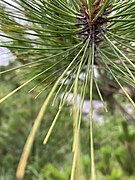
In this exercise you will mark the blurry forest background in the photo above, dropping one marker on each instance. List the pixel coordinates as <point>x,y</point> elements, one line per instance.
<point>114,138</point>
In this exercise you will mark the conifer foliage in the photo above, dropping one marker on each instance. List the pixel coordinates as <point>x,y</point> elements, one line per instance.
<point>59,44</point>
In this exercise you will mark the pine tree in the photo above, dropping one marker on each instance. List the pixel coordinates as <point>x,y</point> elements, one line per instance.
<point>58,41</point>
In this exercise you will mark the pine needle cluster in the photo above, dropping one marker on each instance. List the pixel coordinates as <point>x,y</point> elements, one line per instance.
<point>56,42</point>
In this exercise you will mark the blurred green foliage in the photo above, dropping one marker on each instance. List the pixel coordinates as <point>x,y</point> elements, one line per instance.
<point>114,140</point>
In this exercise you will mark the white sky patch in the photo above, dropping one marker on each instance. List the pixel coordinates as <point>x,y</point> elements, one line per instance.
<point>96,73</point>
<point>6,56</point>
<point>31,35</point>
<point>10,1</point>
<point>12,9</point>
<point>113,13</point>
<point>132,43</point>
<point>4,39</point>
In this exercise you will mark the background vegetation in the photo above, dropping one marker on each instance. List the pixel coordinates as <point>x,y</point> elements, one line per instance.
<point>114,140</point>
